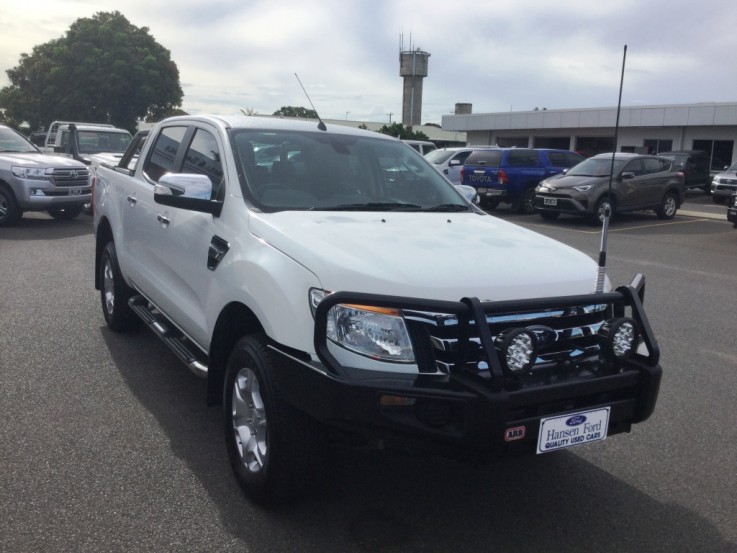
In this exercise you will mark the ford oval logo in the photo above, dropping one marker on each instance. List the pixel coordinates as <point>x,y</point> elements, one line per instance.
<point>576,420</point>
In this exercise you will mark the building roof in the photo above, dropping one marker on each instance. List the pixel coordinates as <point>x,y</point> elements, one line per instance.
<point>702,114</point>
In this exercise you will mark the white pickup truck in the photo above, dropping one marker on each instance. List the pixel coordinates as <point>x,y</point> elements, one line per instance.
<point>330,278</point>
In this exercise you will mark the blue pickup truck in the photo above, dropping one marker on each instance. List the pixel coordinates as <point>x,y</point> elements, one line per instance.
<point>510,175</point>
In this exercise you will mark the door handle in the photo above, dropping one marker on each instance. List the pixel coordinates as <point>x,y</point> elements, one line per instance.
<point>163,220</point>
<point>132,200</point>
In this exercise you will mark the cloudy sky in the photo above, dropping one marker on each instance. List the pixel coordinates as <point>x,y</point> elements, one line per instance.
<point>496,55</point>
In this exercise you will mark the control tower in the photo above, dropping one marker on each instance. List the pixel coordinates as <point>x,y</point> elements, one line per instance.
<point>413,68</point>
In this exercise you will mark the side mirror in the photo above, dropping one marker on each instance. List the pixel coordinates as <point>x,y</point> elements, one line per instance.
<point>469,192</point>
<point>187,191</point>
<point>627,175</point>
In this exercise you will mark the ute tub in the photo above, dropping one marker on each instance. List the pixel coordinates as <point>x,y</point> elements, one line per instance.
<point>467,409</point>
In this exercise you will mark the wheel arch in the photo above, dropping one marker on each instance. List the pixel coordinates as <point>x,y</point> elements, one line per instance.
<point>235,321</point>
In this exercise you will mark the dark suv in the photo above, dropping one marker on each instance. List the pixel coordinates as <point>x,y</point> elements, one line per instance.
<point>510,175</point>
<point>638,182</point>
<point>694,164</point>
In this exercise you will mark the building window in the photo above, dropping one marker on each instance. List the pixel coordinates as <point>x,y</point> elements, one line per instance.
<point>512,141</point>
<point>720,152</point>
<point>655,145</point>
<point>591,145</point>
<point>554,142</point>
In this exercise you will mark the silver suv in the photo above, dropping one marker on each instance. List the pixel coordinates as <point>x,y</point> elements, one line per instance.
<point>32,181</point>
<point>724,184</point>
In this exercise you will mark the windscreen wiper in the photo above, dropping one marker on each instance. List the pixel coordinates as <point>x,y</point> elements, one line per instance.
<point>372,206</point>
<point>447,207</point>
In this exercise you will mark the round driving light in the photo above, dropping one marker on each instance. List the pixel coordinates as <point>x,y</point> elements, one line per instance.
<point>620,337</point>
<point>517,350</point>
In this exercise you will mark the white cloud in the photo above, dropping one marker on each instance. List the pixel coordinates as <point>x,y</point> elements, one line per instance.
<point>236,55</point>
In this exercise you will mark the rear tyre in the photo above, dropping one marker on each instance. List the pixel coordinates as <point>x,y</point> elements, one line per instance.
<point>115,293</point>
<point>271,446</point>
<point>527,203</point>
<point>707,189</point>
<point>549,215</point>
<point>10,212</point>
<point>668,206</point>
<point>65,212</point>
<point>491,204</point>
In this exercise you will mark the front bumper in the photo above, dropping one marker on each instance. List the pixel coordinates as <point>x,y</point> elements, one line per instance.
<point>39,195</point>
<point>569,204</point>
<point>465,411</point>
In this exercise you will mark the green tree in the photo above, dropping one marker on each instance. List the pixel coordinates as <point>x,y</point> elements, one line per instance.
<point>103,70</point>
<point>295,111</point>
<point>405,133</point>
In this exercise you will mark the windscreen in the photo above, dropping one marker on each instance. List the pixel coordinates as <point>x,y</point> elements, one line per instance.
<point>597,167</point>
<point>11,141</point>
<point>95,142</point>
<point>324,171</point>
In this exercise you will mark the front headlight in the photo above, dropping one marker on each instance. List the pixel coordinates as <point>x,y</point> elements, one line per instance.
<point>583,187</point>
<point>376,332</point>
<point>37,173</point>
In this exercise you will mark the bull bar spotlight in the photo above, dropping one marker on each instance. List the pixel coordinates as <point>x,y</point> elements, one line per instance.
<point>619,337</point>
<point>517,349</point>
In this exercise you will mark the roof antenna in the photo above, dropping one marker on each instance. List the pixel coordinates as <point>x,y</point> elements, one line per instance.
<point>320,125</point>
<point>601,273</point>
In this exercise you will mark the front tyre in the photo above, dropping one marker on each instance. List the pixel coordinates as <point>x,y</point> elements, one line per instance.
<point>668,206</point>
<point>549,215</point>
<point>603,206</point>
<point>269,443</point>
<point>65,212</point>
<point>10,212</point>
<point>115,293</point>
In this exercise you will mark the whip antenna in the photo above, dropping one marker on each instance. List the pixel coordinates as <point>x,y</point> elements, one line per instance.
<point>601,272</point>
<point>320,125</point>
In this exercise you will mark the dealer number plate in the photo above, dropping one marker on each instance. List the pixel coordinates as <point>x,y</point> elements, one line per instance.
<point>550,201</point>
<point>573,429</point>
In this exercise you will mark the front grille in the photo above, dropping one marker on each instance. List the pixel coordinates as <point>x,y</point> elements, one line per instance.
<point>458,339</point>
<point>71,177</point>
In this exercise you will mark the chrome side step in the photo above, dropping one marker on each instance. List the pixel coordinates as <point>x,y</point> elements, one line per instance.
<point>169,334</point>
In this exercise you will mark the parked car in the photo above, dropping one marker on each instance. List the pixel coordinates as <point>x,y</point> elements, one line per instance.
<point>724,184</point>
<point>638,182</point>
<point>449,161</point>
<point>32,181</point>
<point>421,146</point>
<point>732,210</point>
<point>694,164</point>
<point>510,175</point>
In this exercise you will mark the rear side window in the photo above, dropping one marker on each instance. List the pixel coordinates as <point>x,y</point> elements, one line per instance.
<point>652,165</point>
<point>523,158</point>
<point>490,158</point>
<point>564,159</point>
<point>164,152</point>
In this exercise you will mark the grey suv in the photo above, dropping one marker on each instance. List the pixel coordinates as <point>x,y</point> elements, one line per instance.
<point>638,182</point>
<point>32,181</point>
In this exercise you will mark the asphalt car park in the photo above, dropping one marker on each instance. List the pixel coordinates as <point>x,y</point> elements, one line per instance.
<point>103,449</point>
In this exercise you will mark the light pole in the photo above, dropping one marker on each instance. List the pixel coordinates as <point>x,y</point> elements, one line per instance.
<point>346,115</point>
<point>390,117</point>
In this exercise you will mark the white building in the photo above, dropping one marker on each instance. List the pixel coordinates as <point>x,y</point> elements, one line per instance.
<point>711,127</point>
